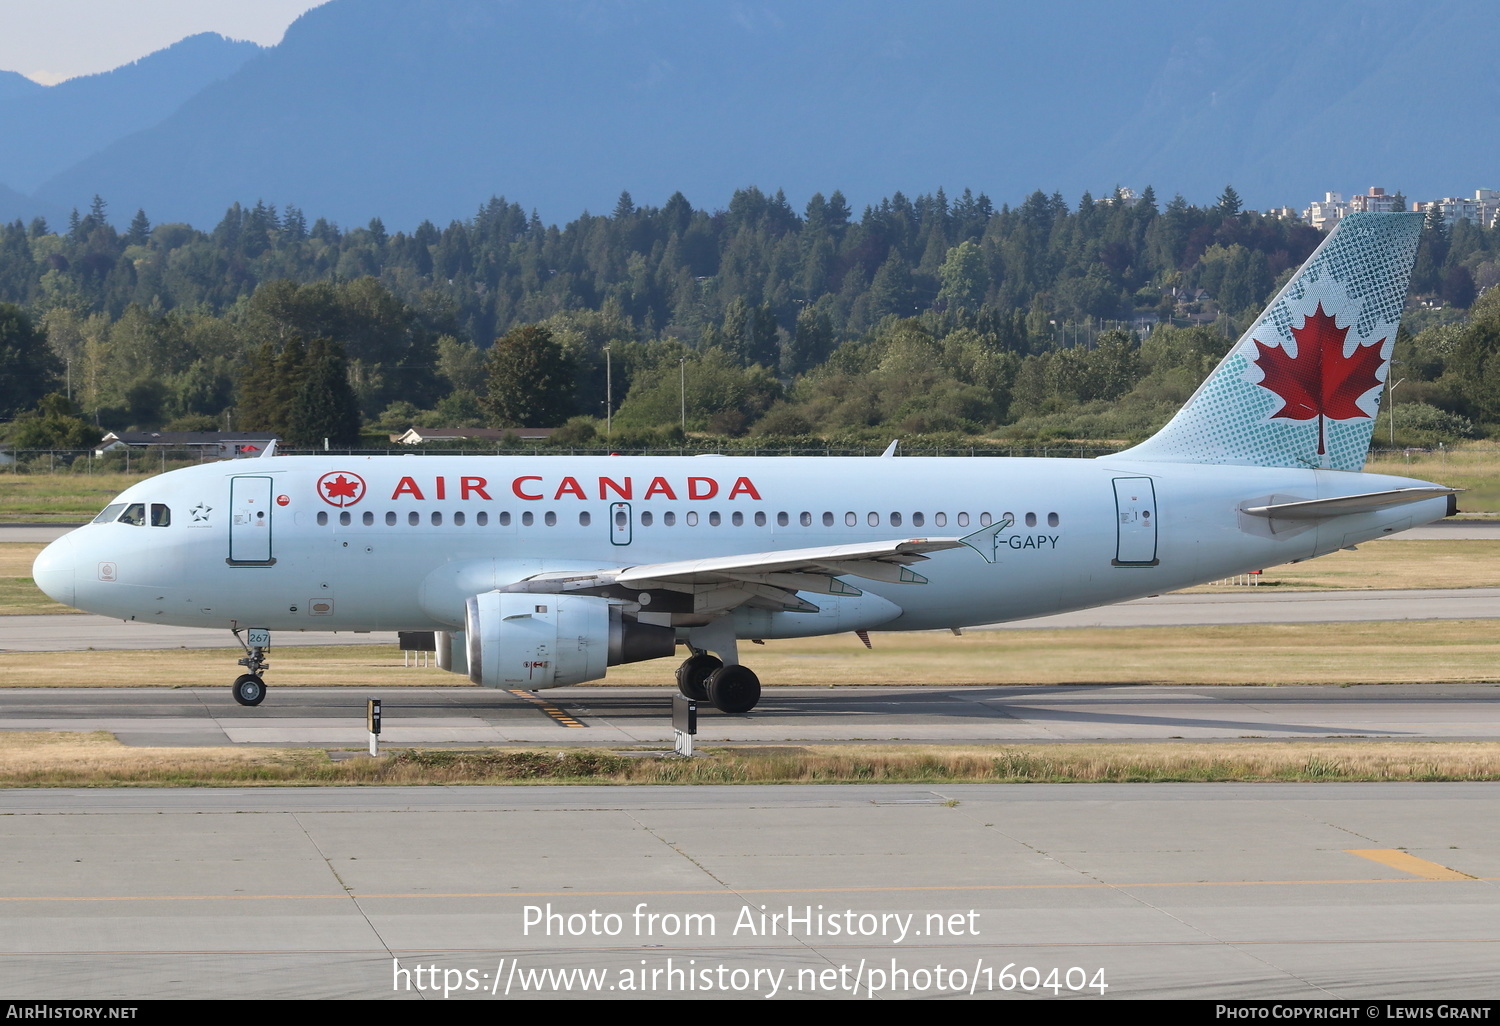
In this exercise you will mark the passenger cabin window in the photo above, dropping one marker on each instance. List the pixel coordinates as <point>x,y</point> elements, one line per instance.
<point>584,520</point>
<point>344,519</point>
<point>940,519</point>
<point>368,518</point>
<point>109,514</point>
<point>322,518</point>
<point>1031,520</point>
<point>917,519</point>
<point>895,519</point>
<point>646,518</point>
<point>1051,519</point>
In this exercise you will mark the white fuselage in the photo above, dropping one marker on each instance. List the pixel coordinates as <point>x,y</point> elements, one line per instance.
<point>346,543</point>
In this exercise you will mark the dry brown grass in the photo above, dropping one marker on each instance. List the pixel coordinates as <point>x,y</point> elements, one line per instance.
<point>74,760</point>
<point>1393,563</point>
<point>65,497</point>
<point>1334,653</point>
<point>18,593</point>
<point>1473,465</point>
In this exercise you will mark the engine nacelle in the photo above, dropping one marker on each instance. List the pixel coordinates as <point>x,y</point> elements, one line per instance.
<point>535,641</point>
<point>452,652</point>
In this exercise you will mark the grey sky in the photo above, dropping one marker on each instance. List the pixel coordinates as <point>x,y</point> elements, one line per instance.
<point>52,40</point>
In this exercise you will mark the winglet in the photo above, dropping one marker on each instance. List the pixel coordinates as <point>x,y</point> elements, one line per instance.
<point>269,450</point>
<point>890,450</point>
<point>986,540</point>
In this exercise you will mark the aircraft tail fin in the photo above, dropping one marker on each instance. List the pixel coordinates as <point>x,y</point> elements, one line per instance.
<point>1301,388</point>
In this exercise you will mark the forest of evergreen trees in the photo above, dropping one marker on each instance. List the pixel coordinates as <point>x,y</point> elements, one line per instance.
<point>934,316</point>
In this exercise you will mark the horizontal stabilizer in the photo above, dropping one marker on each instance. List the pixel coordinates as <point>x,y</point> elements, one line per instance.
<point>1345,505</point>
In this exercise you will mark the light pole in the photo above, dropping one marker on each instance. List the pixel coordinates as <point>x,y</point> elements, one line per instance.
<point>1391,410</point>
<point>682,389</point>
<point>609,396</point>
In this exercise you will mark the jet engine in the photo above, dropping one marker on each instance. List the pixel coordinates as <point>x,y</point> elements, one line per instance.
<point>535,641</point>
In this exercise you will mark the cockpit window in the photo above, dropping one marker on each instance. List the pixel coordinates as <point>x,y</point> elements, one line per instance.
<point>135,514</point>
<point>161,515</point>
<point>109,514</point>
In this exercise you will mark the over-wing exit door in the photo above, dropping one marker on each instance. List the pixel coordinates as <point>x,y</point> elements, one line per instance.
<point>621,524</point>
<point>1135,522</point>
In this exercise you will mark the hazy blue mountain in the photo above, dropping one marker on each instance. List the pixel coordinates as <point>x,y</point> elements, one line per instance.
<point>49,129</point>
<point>13,204</point>
<point>13,84</point>
<point>413,109</point>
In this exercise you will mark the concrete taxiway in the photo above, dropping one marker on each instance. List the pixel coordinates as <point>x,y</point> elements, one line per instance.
<point>620,716</point>
<point>1209,891</point>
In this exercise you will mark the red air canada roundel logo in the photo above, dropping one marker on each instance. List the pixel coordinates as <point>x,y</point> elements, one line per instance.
<point>340,488</point>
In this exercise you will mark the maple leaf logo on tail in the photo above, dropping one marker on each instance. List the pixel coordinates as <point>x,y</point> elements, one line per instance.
<point>1320,381</point>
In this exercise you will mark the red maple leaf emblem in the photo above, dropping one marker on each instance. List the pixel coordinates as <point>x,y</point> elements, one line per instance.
<point>341,489</point>
<point>1320,381</point>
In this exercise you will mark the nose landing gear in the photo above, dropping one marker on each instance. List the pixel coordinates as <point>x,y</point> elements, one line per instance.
<point>248,687</point>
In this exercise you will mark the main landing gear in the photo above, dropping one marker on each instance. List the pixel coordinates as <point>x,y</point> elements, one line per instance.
<point>249,688</point>
<point>731,689</point>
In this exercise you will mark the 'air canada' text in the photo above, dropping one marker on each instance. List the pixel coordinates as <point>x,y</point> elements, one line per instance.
<point>535,487</point>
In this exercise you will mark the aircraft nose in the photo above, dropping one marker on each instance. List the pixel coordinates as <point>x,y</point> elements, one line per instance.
<point>53,570</point>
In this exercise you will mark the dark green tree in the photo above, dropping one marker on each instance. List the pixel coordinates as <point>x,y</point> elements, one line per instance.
<point>530,380</point>
<point>140,230</point>
<point>1229,201</point>
<point>56,423</point>
<point>28,369</point>
<point>325,407</point>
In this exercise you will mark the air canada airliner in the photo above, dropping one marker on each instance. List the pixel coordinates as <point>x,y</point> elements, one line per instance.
<point>540,571</point>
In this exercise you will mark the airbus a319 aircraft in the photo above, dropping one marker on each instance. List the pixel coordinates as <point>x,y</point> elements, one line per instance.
<point>540,571</point>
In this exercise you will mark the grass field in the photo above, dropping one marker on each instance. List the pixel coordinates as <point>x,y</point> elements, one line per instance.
<point>93,760</point>
<point>66,498</point>
<point>1433,651</point>
<point>1473,466</point>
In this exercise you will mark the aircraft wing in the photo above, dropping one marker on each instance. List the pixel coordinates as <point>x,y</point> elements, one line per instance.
<point>765,579</point>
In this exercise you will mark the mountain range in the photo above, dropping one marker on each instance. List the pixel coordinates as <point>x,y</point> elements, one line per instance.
<point>422,109</point>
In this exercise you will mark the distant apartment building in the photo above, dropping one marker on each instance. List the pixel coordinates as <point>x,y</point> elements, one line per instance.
<point>1483,208</point>
<point>1375,202</point>
<point>1325,213</point>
